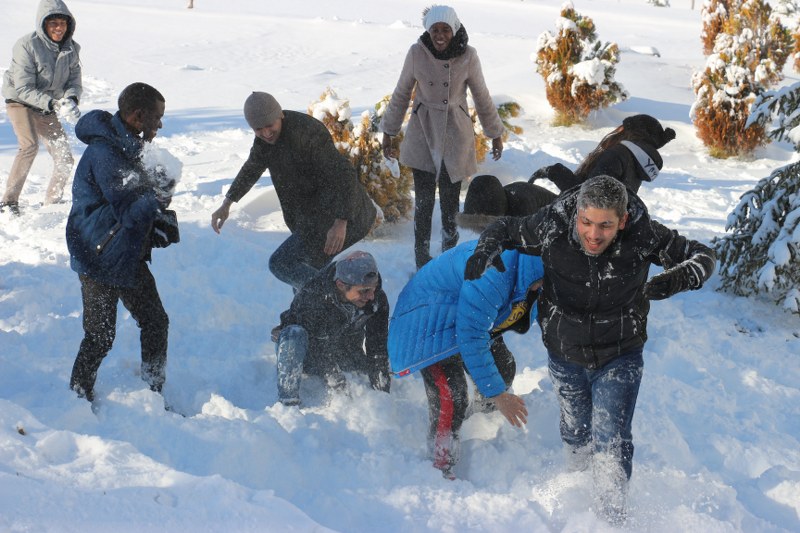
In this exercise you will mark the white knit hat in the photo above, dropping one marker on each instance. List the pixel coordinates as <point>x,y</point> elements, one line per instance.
<point>444,14</point>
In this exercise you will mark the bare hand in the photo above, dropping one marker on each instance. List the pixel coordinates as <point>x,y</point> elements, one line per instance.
<point>513,408</point>
<point>388,149</point>
<point>219,216</point>
<point>336,235</point>
<point>497,148</point>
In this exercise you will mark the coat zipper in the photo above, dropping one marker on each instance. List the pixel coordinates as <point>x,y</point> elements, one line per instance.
<point>110,235</point>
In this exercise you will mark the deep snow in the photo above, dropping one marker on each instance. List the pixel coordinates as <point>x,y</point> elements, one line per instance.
<point>718,420</point>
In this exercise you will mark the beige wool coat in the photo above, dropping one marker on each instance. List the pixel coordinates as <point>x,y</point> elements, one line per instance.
<point>440,128</point>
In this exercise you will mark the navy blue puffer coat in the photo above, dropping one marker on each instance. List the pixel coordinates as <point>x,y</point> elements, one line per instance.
<point>113,204</point>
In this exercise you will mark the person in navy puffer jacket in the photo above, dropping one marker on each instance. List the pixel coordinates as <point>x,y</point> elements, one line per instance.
<point>443,325</point>
<point>117,210</point>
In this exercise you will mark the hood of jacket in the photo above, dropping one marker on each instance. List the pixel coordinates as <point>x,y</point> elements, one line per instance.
<point>54,7</point>
<point>102,126</point>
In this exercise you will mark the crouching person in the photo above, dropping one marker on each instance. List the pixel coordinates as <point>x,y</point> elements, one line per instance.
<point>332,318</point>
<point>443,324</point>
<point>118,215</point>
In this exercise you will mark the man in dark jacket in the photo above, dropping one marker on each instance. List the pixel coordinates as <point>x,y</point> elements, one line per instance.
<point>324,205</point>
<point>116,203</point>
<point>324,331</point>
<point>597,243</point>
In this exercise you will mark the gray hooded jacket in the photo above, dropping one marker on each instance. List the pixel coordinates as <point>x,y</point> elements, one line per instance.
<point>43,70</point>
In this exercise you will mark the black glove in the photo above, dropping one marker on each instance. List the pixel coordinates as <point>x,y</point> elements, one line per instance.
<point>165,229</point>
<point>561,176</point>
<point>486,254</point>
<point>685,276</point>
<point>540,174</point>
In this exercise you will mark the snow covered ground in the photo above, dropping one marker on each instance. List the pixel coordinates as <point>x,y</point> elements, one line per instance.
<point>717,427</point>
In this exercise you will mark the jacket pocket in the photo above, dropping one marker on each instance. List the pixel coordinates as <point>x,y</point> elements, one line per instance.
<point>99,247</point>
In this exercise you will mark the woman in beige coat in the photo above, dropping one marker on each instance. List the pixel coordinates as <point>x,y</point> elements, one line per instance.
<point>439,143</point>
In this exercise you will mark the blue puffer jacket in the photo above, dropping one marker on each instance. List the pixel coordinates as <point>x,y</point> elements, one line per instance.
<point>109,228</point>
<point>438,314</point>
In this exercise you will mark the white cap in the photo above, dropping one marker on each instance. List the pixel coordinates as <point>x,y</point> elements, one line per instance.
<point>444,14</point>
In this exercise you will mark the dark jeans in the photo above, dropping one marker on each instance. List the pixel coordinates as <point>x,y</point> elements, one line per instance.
<point>99,327</point>
<point>294,263</point>
<point>448,398</point>
<point>424,198</point>
<point>597,405</point>
<point>293,355</point>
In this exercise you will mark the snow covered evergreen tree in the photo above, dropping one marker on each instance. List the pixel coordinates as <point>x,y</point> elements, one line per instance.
<point>389,187</point>
<point>762,252</point>
<point>578,70</point>
<point>713,14</point>
<point>748,57</point>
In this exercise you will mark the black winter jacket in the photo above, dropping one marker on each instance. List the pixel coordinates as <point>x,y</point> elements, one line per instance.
<point>315,183</point>
<point>337,330</point>
<point>592,308</point>
<point>617,161</point>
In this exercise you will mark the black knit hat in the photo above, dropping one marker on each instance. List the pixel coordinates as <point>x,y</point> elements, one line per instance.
<point>485,201</point>
<point>649,129</point>
<point>485,196</point>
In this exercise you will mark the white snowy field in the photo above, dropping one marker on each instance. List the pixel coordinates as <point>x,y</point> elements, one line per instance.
<point>717,428</point>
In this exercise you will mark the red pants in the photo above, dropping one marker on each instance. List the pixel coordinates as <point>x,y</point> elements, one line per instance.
<point>448,398</point>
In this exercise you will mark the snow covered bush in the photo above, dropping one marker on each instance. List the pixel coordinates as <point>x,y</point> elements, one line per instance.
<point>388,186</point>
<point>483,144</point>
<point>578,70</point>
<point>713,14</point>
<point>789,15</point>
<point>748,57</point>
<point>762,253</point>
<point>796,48</point>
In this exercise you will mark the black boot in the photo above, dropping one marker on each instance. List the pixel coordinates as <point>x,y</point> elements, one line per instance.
<point>13,208</point>
<point>422,252</point>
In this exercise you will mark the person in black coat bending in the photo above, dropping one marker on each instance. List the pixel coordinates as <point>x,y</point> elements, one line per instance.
<point>629,153</point>
<point>325,206</point>
<point>324,331</point>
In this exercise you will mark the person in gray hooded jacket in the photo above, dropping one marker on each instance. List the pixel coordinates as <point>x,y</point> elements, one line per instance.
<point>42,83</point>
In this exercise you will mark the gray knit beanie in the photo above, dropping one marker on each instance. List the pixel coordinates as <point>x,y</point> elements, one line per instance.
<point>261,109</point>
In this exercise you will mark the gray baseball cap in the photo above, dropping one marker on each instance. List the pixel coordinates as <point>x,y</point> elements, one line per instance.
<point>357,268</point>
